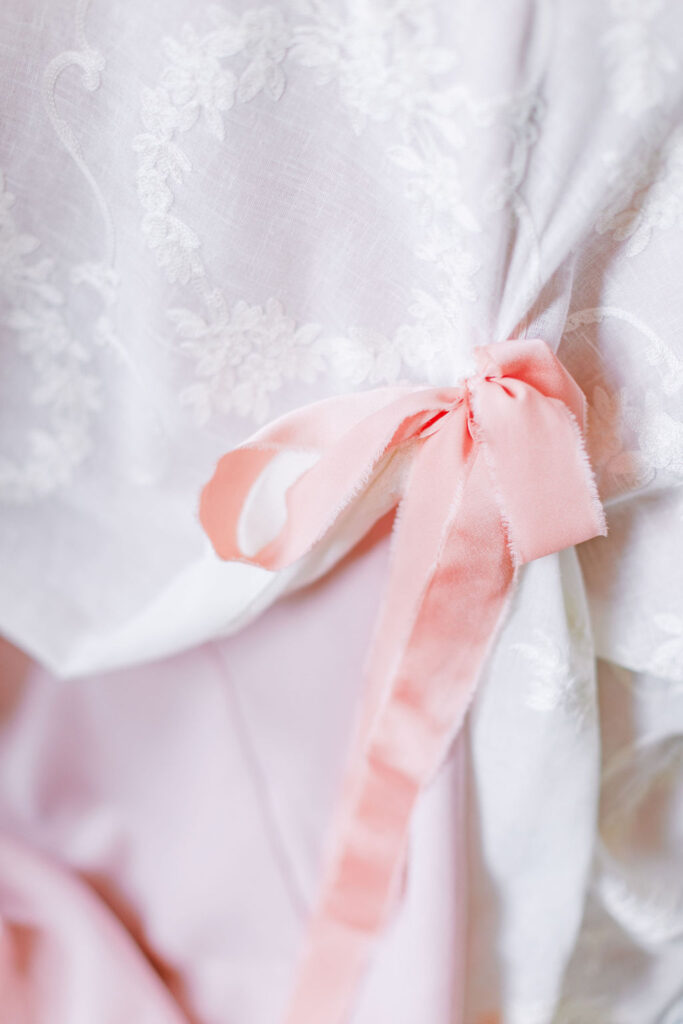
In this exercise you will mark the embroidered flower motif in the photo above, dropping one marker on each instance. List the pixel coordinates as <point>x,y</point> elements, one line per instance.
<point>427,344</point>
<point>265,42</point>
<point>383,57</point>
<point>31,307</point>
<point>561,674</point>
<point>650,199</point>
<point>196,86</point>
<point>163,164</point>
<point>435,185</point>
<point>389,66</point>
<point>363,356</point>
<point>660,436</point>
<point>244,355</point>
<point>176,247</point>
<point>162,118</point>
<point>455,265</point>
<point>196,81</point>
<point>16,271</point>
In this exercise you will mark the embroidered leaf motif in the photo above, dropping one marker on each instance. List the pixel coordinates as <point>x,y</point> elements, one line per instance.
<point>560,674</point>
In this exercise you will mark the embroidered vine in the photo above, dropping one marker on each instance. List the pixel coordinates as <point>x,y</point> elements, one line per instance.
<point>656,351</point>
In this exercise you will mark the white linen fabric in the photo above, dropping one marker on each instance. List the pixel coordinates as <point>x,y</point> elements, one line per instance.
<point>211,214</point>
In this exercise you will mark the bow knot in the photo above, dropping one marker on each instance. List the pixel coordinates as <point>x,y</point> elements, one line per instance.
<point>488,475</point>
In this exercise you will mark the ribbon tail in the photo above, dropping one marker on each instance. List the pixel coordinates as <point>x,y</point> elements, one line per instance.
<point>451,574</point>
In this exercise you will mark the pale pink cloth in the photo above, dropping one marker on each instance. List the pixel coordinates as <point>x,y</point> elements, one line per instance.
<point>64,956</point>
<point>190,797</point>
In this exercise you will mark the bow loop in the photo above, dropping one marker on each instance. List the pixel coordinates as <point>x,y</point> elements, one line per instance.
<point>532,361</point>
<point>353,446</point>
<point>528,426</point>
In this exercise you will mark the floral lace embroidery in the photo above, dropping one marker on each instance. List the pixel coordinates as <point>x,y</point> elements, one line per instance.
<point>657,436</point>
<point>238,353</point>
<point>387,64</point>
<point>65,386</point>
<point>561,674</point>
<point>651,197</point>
<point>660,436</point>
<point>243,355</point>
<point>368,357</point>
<point>196,87</point>
<point>384,58</point>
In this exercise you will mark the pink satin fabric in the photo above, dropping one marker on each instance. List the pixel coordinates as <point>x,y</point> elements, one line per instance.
<point>487,475</point>
<point>64,956</point>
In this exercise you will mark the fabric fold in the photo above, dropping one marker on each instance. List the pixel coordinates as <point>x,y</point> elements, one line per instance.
<point>64,956</point>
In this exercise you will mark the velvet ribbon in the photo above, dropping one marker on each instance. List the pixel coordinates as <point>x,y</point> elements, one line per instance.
<point>488,475</point>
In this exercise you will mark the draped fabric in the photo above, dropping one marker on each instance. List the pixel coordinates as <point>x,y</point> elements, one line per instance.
<point>213,215</point>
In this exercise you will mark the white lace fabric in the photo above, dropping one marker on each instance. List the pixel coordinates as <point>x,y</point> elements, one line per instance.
<point>211,214</point>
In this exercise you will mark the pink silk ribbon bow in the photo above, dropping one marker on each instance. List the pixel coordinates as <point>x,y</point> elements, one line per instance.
<point>489,475</point>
